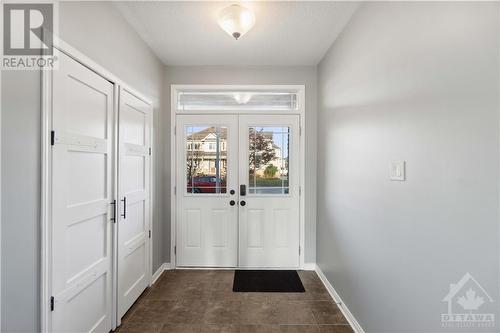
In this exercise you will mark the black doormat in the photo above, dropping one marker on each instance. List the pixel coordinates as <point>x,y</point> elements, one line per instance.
<point>267,281</point>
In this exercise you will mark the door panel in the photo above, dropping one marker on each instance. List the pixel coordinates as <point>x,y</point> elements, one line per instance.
<point>207,172</point>
<point>269,168</point>
<point>134,199</point>
<point>82,115</point>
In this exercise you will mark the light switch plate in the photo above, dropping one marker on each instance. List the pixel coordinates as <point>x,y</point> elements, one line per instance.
<point>397,170</point>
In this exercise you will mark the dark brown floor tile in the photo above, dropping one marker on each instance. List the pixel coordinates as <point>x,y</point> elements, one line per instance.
<point>308,277</point>
<point>174,291</point>
<point>140,327</point>
<point>226,295</point>
<point>313,293</point>
<point>299,329</point>
<point>327,312</point>
<point>224,276</point>
<point>335,329</point>
<point>255,312</point>
<point>166,292</point>
<point>222,312</point>
<point>256,297</point>
<point>296,312</point>
<point>195,301</point>
<point>222,285</point>
<point>187,276</point>
<point>187,312</point>
<point>181,328</point>
<point>151,311</point>
<point>200,290</point>
<point>259,329</point>
<point>318,294</point>
<point>219,328</point>
<point>291,296</point>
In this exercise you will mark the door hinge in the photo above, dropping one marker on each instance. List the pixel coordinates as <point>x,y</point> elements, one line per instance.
<point>175,130</point>
<point>149,233</point>
<point>300,190</point>
<point>300,250</point>
<point>149,151</point>
<point>175,190</point>
<point>52,138</point>
<point>175,250</point>
<point>300,130</point>
<point>52,301</point>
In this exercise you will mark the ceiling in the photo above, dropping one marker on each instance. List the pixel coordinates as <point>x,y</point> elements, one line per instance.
<point>286,33</point>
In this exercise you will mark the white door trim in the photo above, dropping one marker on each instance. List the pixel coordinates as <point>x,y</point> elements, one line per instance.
<point>174,89</point>
<point>45,213</point>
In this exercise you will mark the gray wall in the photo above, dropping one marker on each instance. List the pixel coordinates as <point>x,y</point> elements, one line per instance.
<point>20,201</point>
<point>97,30</point>
<point>419,82</point>
<point>258,75</point>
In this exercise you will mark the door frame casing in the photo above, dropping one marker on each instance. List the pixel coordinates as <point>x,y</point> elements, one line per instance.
<point>174,111</point>
<point>46,167</point>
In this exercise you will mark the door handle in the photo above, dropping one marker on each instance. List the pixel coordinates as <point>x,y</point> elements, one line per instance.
<point>124,215</point>
<point>232,202</point>
<point>243,189</point>
<point>243,203</point>
<point>114,211</point>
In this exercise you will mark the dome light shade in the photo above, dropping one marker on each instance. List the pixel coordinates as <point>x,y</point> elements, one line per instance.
<point>236,20</point>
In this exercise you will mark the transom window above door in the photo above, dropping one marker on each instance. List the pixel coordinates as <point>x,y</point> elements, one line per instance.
<point>238,100</point>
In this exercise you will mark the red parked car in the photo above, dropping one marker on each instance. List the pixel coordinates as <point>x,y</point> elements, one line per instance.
<point>206,184</point>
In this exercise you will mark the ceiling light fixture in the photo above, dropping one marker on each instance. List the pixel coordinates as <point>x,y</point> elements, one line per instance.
<point>236,20</point>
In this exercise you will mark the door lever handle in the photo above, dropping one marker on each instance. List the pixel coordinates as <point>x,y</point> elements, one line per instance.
<point>114,211</point>
<point>124,215</point>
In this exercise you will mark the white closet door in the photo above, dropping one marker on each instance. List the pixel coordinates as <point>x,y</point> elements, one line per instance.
<point>134,199</point>
<point>81,181</point>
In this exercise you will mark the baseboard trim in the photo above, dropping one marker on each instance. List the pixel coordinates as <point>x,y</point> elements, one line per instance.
<point>342,306</point>
<point>164,267</point>
<point>309,266</point>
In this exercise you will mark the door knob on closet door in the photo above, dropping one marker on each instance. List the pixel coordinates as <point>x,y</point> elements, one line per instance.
<point>232,202</point>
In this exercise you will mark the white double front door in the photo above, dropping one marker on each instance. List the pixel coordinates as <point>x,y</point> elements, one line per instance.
<point>237,190</point>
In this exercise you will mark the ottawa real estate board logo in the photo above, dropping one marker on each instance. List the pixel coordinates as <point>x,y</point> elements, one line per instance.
<point>28,36</point>
<point>468,305</point>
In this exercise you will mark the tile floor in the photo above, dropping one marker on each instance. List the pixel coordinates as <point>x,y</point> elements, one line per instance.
<point>203,301</point>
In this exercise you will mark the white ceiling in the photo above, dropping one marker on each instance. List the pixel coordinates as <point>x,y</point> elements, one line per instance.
<point>286,33</point>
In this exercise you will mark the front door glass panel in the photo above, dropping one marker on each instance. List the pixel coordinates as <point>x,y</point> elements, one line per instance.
<point>268,160</point>
<point>206,159</point>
